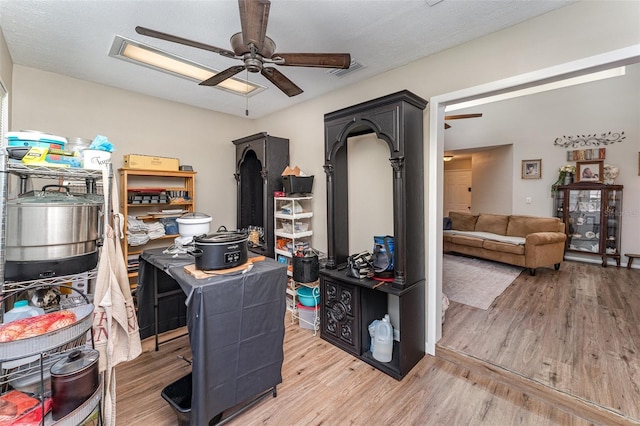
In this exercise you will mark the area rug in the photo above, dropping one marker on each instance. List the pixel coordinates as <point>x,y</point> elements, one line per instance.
<point>475,282</point>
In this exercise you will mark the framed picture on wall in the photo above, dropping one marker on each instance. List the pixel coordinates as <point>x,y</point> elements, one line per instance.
<point>589,171</point>
<point>531,169</point>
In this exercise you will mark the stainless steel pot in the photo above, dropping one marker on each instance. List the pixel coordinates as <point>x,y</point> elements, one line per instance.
<point>220,250</point>
<point>73,380</point>
<point>49,227</point>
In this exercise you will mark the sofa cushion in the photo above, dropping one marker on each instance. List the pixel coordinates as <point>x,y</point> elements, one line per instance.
<point>462,221</point>
<point>503,247</point>
<point>494,223</point>
<point>467,241</point>
<point>521,226</point>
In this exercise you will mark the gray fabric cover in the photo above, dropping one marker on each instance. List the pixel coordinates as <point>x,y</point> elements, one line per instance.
<point>236,333</point>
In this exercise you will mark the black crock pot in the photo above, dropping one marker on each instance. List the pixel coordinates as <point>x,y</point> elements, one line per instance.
<point>220,250</point>
<point>74,380</point>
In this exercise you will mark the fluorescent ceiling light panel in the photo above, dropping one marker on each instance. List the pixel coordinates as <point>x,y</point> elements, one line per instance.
<point>142,54</point>
<point>587,78</point>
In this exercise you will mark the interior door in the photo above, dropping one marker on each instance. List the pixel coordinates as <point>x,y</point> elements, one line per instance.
<point>457,191</point>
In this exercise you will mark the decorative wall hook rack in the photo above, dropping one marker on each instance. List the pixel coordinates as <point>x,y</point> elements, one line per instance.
<point>589,140</point>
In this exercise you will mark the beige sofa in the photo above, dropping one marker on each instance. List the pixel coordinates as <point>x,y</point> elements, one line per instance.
<point>527,241</point>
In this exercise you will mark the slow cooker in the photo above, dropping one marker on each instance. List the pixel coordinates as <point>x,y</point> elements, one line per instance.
<point>220,250</point>
<point>191,224</point>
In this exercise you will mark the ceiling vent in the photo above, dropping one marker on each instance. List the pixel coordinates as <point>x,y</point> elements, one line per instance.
<point>354,66</point>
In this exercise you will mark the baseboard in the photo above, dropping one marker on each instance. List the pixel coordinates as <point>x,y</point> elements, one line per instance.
<point>571,404</point>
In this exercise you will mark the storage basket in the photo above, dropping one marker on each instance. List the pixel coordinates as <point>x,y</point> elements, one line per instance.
<point>307,316</point>
<point>306,269</point>
<point>297,184</point>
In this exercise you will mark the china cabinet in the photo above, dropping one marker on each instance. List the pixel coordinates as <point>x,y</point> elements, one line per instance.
<point>592,216</point>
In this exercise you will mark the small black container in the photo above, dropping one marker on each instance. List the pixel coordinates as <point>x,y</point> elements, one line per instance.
<point>297,184</point>
<point>306,269</point>
<point>178,395</point>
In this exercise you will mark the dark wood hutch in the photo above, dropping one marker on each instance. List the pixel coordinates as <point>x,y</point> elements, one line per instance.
<point>349,305</point>
<point>260,161</point>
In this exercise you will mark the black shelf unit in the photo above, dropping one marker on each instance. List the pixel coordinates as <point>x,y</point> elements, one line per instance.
<point>349,305</point>
<point>260,161</point>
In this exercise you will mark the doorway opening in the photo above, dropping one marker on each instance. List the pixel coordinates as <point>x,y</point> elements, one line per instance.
<point>435,152</point>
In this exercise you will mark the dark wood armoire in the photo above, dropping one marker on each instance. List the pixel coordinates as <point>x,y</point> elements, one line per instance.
<point>260,161</point>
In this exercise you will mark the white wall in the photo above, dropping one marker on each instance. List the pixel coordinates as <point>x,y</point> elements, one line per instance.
<point>137,124</point>
<point>492,190</point>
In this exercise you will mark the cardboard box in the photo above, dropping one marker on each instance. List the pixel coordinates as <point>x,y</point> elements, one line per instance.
<point>147,162</point>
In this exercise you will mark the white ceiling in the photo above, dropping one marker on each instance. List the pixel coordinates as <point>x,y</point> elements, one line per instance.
<point>73,38</point>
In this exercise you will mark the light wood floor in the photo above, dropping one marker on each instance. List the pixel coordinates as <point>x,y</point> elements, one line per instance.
<point>324,385</point>
<point>576,330</point>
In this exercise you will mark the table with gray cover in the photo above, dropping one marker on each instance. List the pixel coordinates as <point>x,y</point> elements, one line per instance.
<point>236,332</point>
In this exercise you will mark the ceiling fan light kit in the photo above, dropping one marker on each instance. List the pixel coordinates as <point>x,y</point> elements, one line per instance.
<point>159,60</point>
<point>255,49</point>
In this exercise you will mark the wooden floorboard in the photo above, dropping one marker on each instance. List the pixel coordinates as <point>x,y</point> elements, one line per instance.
<point>574,330</point>
<point>324,385</point>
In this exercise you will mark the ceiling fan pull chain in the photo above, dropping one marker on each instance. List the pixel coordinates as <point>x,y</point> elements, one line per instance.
<point>246,111</point>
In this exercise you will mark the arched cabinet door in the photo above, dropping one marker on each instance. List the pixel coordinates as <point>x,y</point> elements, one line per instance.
<point>396,119</point>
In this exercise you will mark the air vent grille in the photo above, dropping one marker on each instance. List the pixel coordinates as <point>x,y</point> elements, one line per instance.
<point>354,66</point>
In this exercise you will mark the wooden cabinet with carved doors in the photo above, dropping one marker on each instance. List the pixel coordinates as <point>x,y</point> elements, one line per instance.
<point>592,216</point>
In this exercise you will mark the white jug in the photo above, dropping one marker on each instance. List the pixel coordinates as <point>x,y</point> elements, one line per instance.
<point>22,309</point>
<point>383,347</point>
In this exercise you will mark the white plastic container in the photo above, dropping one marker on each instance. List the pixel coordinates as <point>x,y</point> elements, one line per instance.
<point>21,309</point>
<point>383,347</point>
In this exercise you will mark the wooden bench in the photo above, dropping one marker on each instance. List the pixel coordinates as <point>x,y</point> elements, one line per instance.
<point>631,257</point>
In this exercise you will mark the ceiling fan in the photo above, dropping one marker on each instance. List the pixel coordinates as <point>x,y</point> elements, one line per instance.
<point>255,49</point>
<point>459,117</point>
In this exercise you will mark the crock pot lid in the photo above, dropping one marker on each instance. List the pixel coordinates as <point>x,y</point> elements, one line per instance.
<point>221,237</point>
<point>59,198</point>
<point>195,215</point>
<point>77,360</point>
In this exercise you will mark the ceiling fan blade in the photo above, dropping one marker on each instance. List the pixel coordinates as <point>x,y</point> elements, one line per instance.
<point>461,116</point>
<point>175,39</point>
<point>254,15</point>
<point>320,60</point>
<point>282,82</point>
<point>222,76</point>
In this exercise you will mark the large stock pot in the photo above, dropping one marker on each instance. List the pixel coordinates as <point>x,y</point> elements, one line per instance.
<point>51,234</point>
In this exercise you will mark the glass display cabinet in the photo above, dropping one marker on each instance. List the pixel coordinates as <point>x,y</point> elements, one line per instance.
<point>591,213</point>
